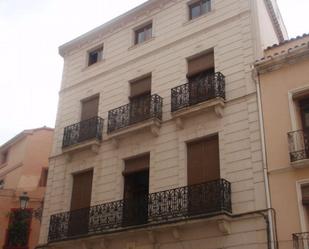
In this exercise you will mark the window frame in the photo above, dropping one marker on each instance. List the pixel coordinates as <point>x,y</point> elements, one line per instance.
<point>2,182</point>
<point>143,29</point>
<point>100,54</point>
<point>4,157</point>
<point>199,3</point>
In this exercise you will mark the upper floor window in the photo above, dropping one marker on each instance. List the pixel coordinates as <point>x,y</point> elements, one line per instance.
<point>199,8</point>
<point>95,55</point>
<point>43,178</point>
<point>2,184</point>
<point>4,157</point>
<point>143,34</point>
<point>90,107</point>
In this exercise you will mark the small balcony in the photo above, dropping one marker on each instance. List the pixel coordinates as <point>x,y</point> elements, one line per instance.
<point>179,204</point>
<point>298,148</point>
<point>301,240</point>
<point>83,133</point>
<point>206,88</point>
<point>142,109</point>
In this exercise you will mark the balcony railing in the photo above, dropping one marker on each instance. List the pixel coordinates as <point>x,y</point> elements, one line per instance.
<point>196,201</point>
<point>298,145</point>
<point>205,87</point>
<point>88,129</point>
<point>301,240</point>
<point>137,110</point>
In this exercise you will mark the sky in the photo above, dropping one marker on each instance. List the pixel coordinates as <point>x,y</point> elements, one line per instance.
<point>30,67</point>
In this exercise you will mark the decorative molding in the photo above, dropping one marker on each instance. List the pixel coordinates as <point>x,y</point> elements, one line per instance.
<point>179,123</point>
<point>176,233</point>
<point>224,226</point>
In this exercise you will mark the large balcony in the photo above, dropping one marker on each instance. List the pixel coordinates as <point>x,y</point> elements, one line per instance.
<point>90,129</point>
<point>301,240</point>
<point>197,201</point>
<point>298,147</point>
<point>138,110</point>
<point>204,88</point>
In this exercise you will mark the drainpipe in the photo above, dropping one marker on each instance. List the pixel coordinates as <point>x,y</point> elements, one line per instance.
<point>256,78</point>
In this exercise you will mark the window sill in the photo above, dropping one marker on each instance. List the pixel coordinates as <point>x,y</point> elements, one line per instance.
<point>141,44</point>
<point>93,65</point>
<point>188,22</point>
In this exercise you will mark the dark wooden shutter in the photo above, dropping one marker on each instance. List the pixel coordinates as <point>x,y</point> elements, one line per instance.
<point>201,63</point>
<point>90,108</point>
<point>82,188</point>
<point>305,195</point>
<point>43,178</point>
<point>203,160</point>
<point>140,87</point>
<point>136,164</point>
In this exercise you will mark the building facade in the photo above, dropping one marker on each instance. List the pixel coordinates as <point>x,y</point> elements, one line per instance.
<point>23,169</point>
<point>284,87</point>
<point>157,141</point>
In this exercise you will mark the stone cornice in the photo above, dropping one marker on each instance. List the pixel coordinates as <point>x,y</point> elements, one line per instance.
<point>116,24</point>
<point>274,20</point>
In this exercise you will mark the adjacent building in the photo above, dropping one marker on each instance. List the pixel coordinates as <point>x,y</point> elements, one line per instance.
<point>23,174</point>
<point>284,92</point>
<point>157,141</point>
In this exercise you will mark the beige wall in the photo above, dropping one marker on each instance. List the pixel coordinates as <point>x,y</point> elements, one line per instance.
<point>230,31</point>
<point>27,156</point>
<point>276,85</point>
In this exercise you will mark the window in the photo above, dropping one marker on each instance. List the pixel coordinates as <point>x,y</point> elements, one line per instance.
<point>4,157</point>
<point>143,34</point>
<point>43,178</point>
<point>95,55</point>
<point>201,63</point>
<point>2,184</point>
<point>199,8</point>
<point>90,107</point>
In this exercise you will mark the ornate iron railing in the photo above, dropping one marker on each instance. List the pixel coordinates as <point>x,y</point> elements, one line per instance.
<point>137,110</point>
<point>301,240</point>
<point>202,88</point>
<point>298,145</point>
<point>188,202</point>
<point>82,131</point>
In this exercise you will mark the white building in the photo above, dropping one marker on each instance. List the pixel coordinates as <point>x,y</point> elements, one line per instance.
<point>178,162</point>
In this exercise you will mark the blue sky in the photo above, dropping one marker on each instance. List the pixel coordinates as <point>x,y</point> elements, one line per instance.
<point>30,67</point>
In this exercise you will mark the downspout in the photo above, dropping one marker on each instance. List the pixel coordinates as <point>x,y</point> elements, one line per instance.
<point>256,78</point>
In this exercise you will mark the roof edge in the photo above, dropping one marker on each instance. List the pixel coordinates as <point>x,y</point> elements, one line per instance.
<point>63,48</point>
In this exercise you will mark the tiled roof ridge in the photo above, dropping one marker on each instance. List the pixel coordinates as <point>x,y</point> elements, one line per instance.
<point>285,51</point>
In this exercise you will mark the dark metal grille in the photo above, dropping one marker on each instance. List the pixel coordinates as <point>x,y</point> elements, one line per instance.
<point>298,145</point>
<point>139,109</point>
<point>82,131</point>
<point>205,199</point>
<point>202,88</point>
<point>301,240</point>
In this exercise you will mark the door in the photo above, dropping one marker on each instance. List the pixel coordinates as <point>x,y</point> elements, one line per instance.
<point>201,87</point>
<point>304,109</point>
<point>140,99</point>
<point>203,166</point>
<point>80,203</point>
<point>88,126</point>
<point>136,191</point>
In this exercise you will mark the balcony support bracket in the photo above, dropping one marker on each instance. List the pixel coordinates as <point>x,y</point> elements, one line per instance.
<point>224,226</point>
<point>179,123</point>
<point>152,237</point>
<point>95,149</point>
<point>219,110</point>
<point>176,233</point>
<point>68,157</point>
<point>115,142</point>
<point>155,129</point>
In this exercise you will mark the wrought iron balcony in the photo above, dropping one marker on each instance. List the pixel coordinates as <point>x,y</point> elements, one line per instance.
<point>301,240</point>
<point>196,201</point>
<point>88,129</point>
<point>203,88</point>
<point>138,110</point>
<point>298,145</point>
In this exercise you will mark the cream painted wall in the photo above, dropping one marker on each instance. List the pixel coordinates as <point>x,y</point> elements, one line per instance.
<point>275,86</point>
<point>230,31</point>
